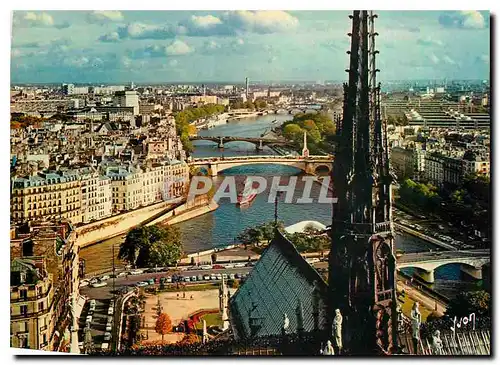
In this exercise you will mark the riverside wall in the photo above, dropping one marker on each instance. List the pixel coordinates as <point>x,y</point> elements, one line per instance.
<point>163,212</point>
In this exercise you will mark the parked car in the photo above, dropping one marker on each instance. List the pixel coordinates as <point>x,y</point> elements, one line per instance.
<point>151,281</point>
<point>88,319</point>
<point>94,280</point>
<point>99,284</point>
<point>237,275</point>
<point>142,283</point>
<point>205,267</point>
<point>224,276</point>
<point>107,336</point>
<point>168,279</point>
<point>92,305</point>
<point>105,277</point>
<point>105,346</point>
<point>206,277</point>
<point>217,267</point>
<point>200,277</point>
<point>187,279</point>
<point>136,272</point>
<point>232,276</point>
<point>83,283</point>
<point>241,264</point>
<point>110,310</point>
<point>229,266</point>
<point>213,277</point>
<point>108,327</point>
<point>218,276</point>
<point>193,278</point>
<point>122,274</point>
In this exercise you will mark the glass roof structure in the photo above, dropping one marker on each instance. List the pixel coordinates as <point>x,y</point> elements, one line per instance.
<point>281,283</point>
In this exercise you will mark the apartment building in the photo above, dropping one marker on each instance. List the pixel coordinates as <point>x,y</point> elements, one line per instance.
<point>31,304</point>
<point>126,187</point>
<point>39,303</point>
<point>441,169</point>
<point>476,163</point>
<point>434,170</point>
<point>46,195</point>
<point>96,195</point>
<point>153,181</point>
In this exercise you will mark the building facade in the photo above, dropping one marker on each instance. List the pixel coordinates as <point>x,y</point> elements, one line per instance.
<point>45,272</point>
<point>31,299</point>
<point>47,195</point>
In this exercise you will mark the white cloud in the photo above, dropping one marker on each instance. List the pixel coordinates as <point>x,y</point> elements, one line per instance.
<point>126,62</point>
<point>211,45</point>
<point>261,21</point>
<point>467,19</point>
<point>434,58</point>
<point>76,61</point>
<point>173,63</point>
<point>429,42</point>
<point>102,17</point>
<point>484,58</point>
<point>229,24</point>
<point>32,19</point>
<point>472,19</point>
<point>178,47</point>
<point>449,60</point>
<point>110,37</point>
<point>206,21</point>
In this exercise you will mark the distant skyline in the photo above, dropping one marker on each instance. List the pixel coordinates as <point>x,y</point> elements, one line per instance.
<point>216,46</point>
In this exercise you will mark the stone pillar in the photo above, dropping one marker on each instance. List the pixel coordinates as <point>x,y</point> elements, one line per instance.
<point>475,272</point>
<point>221,142</point>
<point>259,147</point>
<point>426,275</point>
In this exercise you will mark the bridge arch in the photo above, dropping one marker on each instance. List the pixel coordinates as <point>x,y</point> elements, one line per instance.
<point>426,269</point>
<point>322,168</point>
<point>217,165</point>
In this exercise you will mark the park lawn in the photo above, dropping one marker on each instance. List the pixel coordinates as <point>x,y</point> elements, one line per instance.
<point>407,305</point>
<point>195,287</point>
<point>213,319</point>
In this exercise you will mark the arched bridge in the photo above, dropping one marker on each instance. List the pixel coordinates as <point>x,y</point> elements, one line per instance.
<point>259,142</point>
<point>310,165</point>
<point>426,262</point>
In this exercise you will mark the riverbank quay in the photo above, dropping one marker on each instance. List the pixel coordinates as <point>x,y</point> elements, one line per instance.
<point>424,237</point>
<point>171,212</point>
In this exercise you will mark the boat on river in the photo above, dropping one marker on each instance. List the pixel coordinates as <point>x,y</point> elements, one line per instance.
<point>247,195</point>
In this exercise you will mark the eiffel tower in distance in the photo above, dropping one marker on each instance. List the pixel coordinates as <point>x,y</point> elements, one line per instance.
<point>362,265</point>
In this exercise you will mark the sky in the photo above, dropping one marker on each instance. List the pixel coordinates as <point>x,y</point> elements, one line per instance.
<point>227,46</point>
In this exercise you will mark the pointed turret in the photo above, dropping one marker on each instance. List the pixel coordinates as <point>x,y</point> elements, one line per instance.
<point>305,151</point>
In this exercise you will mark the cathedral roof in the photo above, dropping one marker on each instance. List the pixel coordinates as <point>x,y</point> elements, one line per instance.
<point>281,283</point>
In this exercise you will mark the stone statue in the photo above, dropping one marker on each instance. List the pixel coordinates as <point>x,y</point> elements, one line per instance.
<point>328,350</point>
<point>286,323</point>
<point>437,343</point>
<point>205,333</point>
<point>337,329</point>
<point>416,320</point>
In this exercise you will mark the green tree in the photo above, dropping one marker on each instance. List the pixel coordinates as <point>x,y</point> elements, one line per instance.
<point>465,303</point>
<point>152,246</point>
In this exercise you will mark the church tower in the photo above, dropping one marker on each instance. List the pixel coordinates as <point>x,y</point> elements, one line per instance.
<point>362,265</point>
<point>305,151</point>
